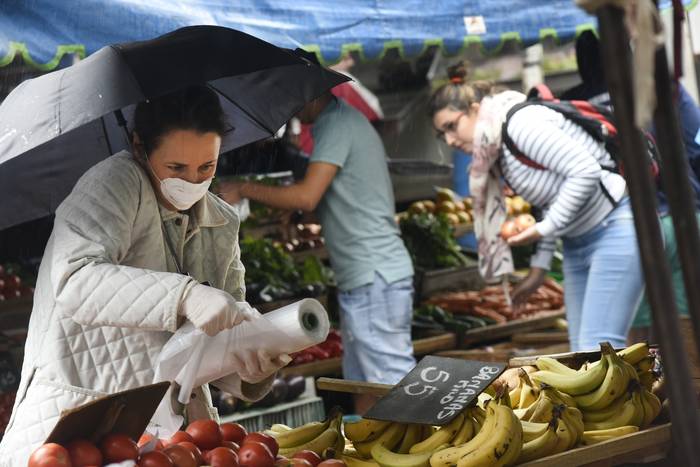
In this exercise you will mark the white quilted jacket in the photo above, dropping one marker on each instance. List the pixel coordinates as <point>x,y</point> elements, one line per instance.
<point>105,303</point>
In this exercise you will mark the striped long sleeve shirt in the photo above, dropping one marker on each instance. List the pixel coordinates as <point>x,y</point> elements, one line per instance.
<point>569,189</point>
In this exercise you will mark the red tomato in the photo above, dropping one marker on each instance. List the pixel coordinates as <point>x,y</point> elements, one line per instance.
<point>234,432</point>
<point>267,440</point>
<point>332,463</point>
<point>254,454</point>
<point>199,457</point>
<point>155,459</point>
<point>222,457</point>
<point>50,455</point>
<point>83,453</point>
<point>231,445</point>
<point>182,456</point>
<point>310,456</point>
<point>117,448</point>
<point>178,437</point>
<point>147,438</point>
<point>206,434</point>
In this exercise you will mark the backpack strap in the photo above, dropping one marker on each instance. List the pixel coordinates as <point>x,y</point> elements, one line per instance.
<point>522,158</point>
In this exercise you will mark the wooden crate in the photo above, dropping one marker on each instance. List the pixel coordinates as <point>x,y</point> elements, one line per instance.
<point>428,283</point>
<point>334,366</point>
<point>645,446</point>
<point>542,320</point>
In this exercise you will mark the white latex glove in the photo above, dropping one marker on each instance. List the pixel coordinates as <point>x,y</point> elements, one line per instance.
<point>213,310</point>
<point>256,366</point>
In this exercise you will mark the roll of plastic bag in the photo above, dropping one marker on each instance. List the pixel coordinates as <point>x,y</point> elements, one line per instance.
<point>191,358</point>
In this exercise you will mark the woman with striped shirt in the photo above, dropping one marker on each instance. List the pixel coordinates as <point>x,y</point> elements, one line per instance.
<point>583,204</point>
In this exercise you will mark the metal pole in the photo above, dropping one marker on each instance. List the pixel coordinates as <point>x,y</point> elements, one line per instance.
<point>618,73</point>
<point>681,198</point>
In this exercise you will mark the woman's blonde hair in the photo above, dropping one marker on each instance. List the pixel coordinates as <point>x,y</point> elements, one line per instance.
<point>458,94</point>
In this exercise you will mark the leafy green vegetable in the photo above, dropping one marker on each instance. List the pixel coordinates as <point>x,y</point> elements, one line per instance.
<point>431,243</point>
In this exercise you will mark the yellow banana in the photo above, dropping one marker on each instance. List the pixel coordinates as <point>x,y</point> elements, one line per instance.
<point>638,419</point>
<point>300,435</point>
<point>622,418</point>
<point>574,420</point>
<point>479,415</point>
<point>514,395</point>
<point>597,436</point>
<point>551,364</point>
<point>466,432</point>
<point>443,436</point>
<point>389,439</point>
<point>387,458</point>
<point>613,386</point>
<point>634,353</point>
<point>528,393</point>
<point>414,435</point>
<point>604,414</point>
<point>646,379</point>
<point>318,445</point>
<point>280,428</point>
<point>558,397</point>
<point>365,429</point>
<point>533,430</point>
<point>542,445</point>
<point>352,461</point>
<point>566,437</point>
<point>574,384</point>
<point>645,364</point>
<point>503,445</point>
<point>450,456</point>
<point>652,407</point>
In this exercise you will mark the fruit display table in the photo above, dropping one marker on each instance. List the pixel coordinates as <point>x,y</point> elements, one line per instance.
<point>295,413</point>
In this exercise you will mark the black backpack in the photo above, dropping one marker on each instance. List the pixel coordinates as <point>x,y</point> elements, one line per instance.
<point>596,120</point>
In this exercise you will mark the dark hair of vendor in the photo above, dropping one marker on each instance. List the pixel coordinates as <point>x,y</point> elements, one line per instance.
<point>457,94</point>
<point>194,108</point>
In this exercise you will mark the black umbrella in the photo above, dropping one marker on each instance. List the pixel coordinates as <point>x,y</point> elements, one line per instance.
<point>54,127</point>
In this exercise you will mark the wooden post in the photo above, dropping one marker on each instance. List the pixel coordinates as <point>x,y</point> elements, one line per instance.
<point>618,73</point>
<point>681,198</point>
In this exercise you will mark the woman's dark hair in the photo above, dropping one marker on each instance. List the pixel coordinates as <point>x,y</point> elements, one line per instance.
<point>458,94</point>
<point>194,108</point>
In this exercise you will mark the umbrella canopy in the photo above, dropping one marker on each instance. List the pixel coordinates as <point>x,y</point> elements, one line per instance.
<point>43,30</point>
<point>53,128</point>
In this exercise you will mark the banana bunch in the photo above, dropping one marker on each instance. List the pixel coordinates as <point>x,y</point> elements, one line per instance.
<point>598,436</point>
<point>620,397</point>
<point>542,439</point>
<point>387,444</point>
<point>497,443</point>
<point>315,436</point>
<point>638,408</point>
<point>553,404</point>
<point>525,394</point>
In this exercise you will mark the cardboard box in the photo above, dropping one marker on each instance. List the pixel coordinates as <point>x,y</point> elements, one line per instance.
<point>126,412</point>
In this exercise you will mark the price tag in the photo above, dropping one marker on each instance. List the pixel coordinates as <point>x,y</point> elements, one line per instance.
<point>436,390</point>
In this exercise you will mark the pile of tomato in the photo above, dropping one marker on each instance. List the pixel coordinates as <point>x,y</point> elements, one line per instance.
<point>331,348</point>
<point>202,443</point>
<point>11,286</point>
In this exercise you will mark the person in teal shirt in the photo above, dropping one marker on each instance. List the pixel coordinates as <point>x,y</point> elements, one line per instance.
<point>347,183</point>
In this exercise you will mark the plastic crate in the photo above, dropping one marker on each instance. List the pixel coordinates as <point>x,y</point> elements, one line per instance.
<point>295,413</point>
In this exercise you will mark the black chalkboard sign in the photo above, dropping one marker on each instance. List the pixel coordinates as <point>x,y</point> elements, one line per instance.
<point>436,390</point>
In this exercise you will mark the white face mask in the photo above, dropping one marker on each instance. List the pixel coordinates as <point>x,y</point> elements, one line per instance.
<point>181,193</point>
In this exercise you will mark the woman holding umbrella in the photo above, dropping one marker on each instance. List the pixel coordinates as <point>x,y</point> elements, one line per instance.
<point>137,248</point>
<point>560,171</point>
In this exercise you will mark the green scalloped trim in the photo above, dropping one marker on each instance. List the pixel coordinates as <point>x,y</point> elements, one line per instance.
<point>19,48</point>
<point>61,50</point>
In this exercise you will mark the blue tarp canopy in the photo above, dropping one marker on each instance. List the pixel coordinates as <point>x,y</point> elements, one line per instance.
<point>44,30</point>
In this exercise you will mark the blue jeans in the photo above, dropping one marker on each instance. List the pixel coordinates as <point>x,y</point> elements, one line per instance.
<point>376,328</point>
<point>603,281</point>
